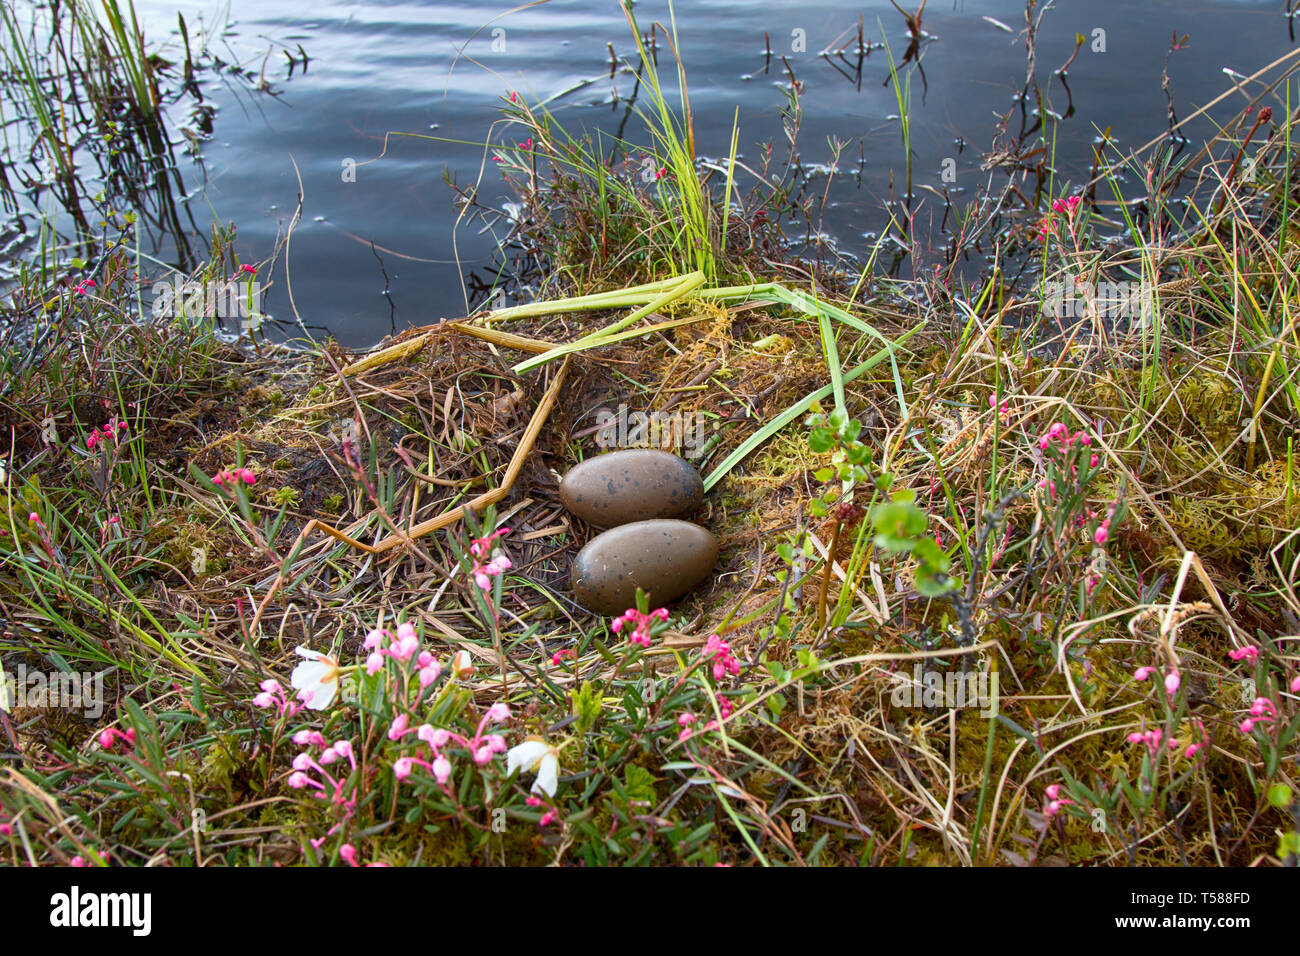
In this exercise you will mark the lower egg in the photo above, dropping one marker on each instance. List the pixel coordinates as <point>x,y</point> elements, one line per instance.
<point>664,557</point>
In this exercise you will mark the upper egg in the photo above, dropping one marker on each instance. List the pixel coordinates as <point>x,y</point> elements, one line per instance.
<point>633,485</point>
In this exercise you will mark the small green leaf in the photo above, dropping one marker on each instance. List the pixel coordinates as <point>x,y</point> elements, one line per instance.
<point>586,706</point>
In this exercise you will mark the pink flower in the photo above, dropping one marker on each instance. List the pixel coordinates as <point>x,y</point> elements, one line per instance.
<point>404,648</point>
<point>1263,709</point>
<point>1102,533</point>
<point>641,624</point>
<point>724,662</point>
<point>1172,683</point>
<point>1152,739</point>
<point>441,769</point>
<point>1054,802</point>
<point>374,663</point>
<point>398,728</point>
<point>1142,673</point>
<point>248,269</point>
<point>223,478</point>
<point>1295,686</point>
<point>109,737</point>
<point>498,712</point>
<point>1249,653</point>
<point>484,570</point>
<point>547,818</point>
<point>402,767</point>
<point>349,853</point>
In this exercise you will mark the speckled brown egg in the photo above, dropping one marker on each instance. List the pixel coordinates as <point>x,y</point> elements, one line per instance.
<point>664,557</point>
<point>633,485</point>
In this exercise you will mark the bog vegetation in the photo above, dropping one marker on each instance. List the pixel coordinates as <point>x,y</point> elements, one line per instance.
<point>1001,582</point>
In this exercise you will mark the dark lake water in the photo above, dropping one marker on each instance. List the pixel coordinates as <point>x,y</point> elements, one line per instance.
<point>383,67</point>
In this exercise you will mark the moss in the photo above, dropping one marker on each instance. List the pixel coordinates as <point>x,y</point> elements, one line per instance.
<point>287,497</point>
<point>188,545</point>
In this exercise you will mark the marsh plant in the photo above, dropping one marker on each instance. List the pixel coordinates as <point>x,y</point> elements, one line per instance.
<point>917,485</point>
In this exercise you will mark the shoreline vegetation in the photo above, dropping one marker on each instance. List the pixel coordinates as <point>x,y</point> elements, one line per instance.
<point>1008,571</point>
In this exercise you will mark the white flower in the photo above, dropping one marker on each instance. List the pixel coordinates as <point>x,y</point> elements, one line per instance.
<point>318,675</point>
<point>536,756</point>
<point>462,666</point>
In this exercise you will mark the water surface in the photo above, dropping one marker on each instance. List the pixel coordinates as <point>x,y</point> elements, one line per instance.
<point>383,252</point>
